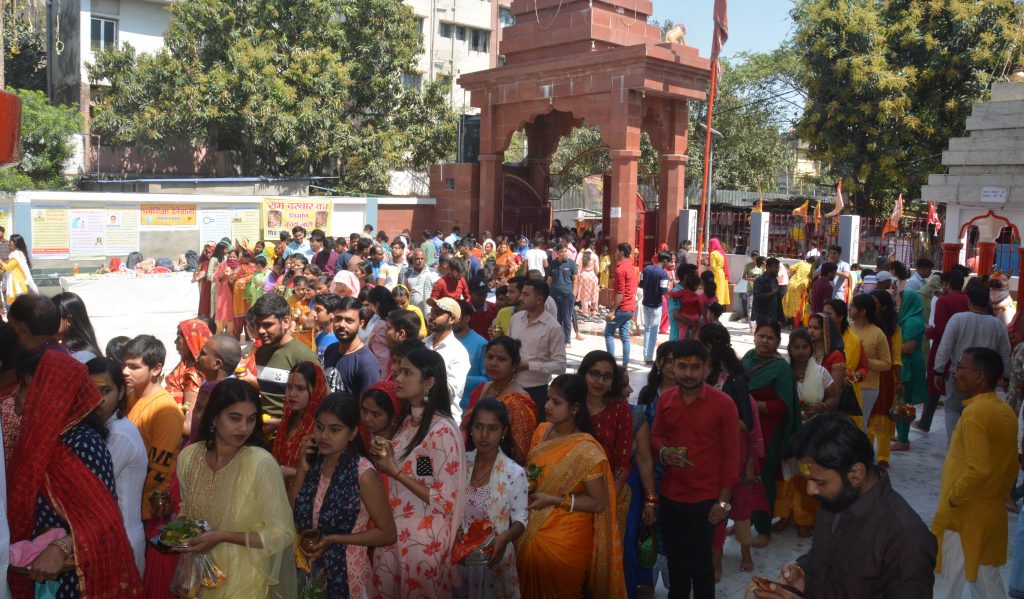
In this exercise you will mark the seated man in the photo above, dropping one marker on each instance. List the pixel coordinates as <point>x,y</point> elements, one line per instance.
<point>868,541</point>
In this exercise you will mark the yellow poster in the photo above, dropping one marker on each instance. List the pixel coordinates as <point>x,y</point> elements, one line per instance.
<point>245,224</point>
<point>282,214</point>
<point>168,215</point>
<point>51,233</point>
<point>5,220</point>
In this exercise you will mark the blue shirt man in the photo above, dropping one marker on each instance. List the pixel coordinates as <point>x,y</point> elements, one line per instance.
<point>475,346</point>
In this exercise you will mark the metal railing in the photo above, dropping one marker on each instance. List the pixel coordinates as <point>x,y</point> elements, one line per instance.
<point>792,236</point>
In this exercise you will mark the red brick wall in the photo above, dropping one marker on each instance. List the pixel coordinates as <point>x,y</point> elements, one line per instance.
<point>457,206</point>
<point>392,219</point>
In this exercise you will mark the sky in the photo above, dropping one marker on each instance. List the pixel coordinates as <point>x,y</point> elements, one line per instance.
<point>754,25</point>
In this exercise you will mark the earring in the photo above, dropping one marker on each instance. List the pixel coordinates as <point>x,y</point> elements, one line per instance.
<point>213,426</point>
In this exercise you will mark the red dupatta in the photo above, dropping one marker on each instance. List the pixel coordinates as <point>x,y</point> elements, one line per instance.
<point>60,396</point>
<point>389,388</point>
<point>288,448</point>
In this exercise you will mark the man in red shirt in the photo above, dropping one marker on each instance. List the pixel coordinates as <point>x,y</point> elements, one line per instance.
<point>952,301</point>
<point>484,311</point>
<point>694,436</point>
<point>451,284</point>
<point>620,313</point>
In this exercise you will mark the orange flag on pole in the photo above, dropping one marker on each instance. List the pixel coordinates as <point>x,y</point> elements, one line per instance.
<point>839,201</point>
<point>802,210</point>
<point>893,224</point>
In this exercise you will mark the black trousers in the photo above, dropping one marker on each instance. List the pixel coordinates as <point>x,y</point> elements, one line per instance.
<point>688,537</point>
<point>540,397</point>
<point>564,303</point>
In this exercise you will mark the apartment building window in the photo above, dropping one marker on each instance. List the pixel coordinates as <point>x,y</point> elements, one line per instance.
<point>446,30</point>
<point>480,41</point>
<point>461,33</point>
<point>505,17</point>
<point>411,80</point>
<point>104,33</point>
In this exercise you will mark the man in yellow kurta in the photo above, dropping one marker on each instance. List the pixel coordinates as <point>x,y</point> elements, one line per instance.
<point>970,522</point>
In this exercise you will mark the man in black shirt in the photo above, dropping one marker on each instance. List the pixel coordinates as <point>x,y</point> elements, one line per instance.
<point>868,541</point>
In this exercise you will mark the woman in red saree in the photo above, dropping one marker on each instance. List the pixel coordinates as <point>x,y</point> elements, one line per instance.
<point>61,476</point>
<point>224,313</point>
<point>184,381</point>
<point>571,546</point>
<point>305,390</point>
<point>501,361</point>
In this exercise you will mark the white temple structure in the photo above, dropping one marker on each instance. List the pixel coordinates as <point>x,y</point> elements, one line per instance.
<point>985,183</point>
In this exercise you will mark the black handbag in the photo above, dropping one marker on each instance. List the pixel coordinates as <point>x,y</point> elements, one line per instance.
<point>848,401</point>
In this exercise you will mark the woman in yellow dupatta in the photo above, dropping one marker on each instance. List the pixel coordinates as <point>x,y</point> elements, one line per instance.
<point>571,544</point>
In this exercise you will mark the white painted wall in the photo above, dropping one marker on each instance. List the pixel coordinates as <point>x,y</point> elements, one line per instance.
<point>141,23</point>
<point>452,56</point>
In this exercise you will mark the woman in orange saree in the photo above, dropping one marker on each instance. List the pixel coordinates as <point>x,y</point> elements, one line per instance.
<point>571,545</point>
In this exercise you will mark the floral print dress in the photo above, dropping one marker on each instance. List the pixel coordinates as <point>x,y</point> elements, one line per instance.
<point>419,565</point>
<point>502,501</point>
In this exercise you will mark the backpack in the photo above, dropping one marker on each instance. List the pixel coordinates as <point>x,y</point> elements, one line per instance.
<point>165,263</point>
<point>133,260</point>
<point>191,261</point>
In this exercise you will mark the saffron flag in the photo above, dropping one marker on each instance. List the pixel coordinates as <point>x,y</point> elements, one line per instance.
<point>817,212</point>
<point>933,217</point>
<point>893,224</point>
<point>721,29</point>
<point>839,201</point>
<point>802,210</point>
<point>759,207</point>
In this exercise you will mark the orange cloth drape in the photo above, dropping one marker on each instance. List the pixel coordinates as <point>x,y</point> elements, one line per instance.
<point>563,553</point>
<point>522,417</point>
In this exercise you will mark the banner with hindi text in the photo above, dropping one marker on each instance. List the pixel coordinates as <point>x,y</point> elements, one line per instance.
<point>282,214</point>
<point>168,215</point>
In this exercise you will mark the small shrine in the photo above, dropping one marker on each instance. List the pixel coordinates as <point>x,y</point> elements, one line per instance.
<point>984,185</point>
<point>569,63</point>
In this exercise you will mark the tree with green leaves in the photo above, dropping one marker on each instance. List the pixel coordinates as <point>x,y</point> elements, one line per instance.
<point>293,87</point>
<point>752,151</point>
<point>890,81</point>
<point>47,144</point>
<point>24,52</point>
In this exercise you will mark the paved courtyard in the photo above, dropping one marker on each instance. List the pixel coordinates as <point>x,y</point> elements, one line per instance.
<point>915,474</point>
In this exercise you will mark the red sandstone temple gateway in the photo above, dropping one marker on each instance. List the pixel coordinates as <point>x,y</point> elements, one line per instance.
<point>569,63</point>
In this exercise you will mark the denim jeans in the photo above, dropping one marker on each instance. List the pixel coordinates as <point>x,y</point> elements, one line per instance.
<point>1017,563</point>
<point>652,322</point>
<point>620,323</point>
<point>564,305</point>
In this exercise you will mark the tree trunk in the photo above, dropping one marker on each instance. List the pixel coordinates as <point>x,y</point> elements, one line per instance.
<point>860,204</point>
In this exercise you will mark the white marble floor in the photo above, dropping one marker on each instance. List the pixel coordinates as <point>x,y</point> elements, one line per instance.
<point>915,474</point>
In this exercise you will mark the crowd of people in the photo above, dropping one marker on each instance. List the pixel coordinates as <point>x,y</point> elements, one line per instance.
<point>375,417</point>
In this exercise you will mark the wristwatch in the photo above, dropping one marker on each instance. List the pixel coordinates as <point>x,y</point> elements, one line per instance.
<point>725,505</point>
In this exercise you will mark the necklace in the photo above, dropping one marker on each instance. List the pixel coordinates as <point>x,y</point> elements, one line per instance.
<point>477,480</point>
<point>497,392</point>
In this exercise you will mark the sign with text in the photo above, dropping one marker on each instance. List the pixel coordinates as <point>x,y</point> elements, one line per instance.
<point>168,215</point>
<point>50,233</point>
<point>994,195</point>
<point>88,232</point>
<point>122,231</point>
<point>282,214</point>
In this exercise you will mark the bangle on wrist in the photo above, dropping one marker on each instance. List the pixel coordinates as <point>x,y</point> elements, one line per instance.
<point>572,503</point>
<point>566,502</point>
<point>65,548</point>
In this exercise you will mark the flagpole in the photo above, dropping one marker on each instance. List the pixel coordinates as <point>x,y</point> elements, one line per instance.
<point>707,161</point>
